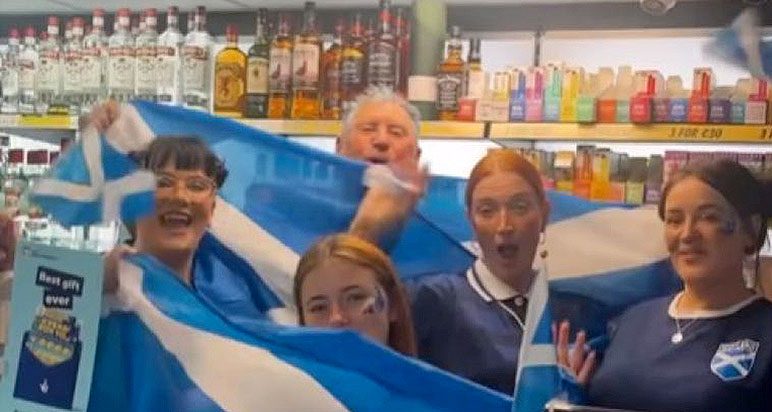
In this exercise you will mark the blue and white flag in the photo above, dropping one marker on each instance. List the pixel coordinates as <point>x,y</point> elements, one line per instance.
<point>163,344</point>
<point>743,45</point>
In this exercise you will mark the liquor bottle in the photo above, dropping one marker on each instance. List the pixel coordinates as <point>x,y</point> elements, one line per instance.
<point>93,75</point>
<point>450,78</point>
<point>475,76</point>
<point>10,74</point>
<point>169,60</point>
<point>196,53</point>
<point>28,67</point>
<point>280,70</point>
<point>49,76</point>
<point>230,76</point>
<point>353,63</point>
<point>73,66</point>
<point>331,63</point>
<point>256,105</point>
<point>306,56</point>
<point>67,33</point>
<point>121,60</point>
<point>402,64</point>
<point>146,80</point>
<point>382,51</point>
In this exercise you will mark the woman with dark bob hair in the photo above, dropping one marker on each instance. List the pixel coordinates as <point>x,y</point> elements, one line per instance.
<point>709,347</point>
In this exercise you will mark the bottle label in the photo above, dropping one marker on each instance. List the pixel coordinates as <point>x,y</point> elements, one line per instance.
<point>49,72</point>
<point>166,68</point>
<point>120,68</point>
<point>352,72</point>
<point>476,85</point>
<point>194,68</point>
<point>72,72</point>
<point>279,70</point>
<point>229,85</point>
<point>257,75</point>
<point>10,83</point>
<point>27,72</point>
<point>380,68</point>
<point>305,66</point>
<point>448,91</point>
<point>146,68</point>
<point>91,72</point>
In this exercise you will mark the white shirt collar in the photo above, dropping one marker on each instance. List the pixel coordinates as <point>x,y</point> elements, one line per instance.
<point>496,288</point>
<point>708,314</point>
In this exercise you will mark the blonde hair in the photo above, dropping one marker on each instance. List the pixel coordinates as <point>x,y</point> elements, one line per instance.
<point>360,252</point>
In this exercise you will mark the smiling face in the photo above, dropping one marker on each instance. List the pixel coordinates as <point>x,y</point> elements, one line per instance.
<point>380,132</point>
<point>507,216</point>
<point>703,234</point>
<point>341,294</point>
<point>184,206</point>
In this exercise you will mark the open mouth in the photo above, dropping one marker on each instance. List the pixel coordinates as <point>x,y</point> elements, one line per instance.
<point>175,220</point>
<point>377,160</point>
<point>507,250</point>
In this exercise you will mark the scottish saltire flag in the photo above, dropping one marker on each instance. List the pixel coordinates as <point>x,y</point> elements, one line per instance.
<point>743,45</point>
<point>163,344</point>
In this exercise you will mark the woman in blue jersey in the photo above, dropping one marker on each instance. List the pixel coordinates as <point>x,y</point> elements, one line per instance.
<point>709,347</point>
<point>471,323</point>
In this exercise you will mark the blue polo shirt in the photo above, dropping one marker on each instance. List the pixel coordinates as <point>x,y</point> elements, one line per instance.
<point>723,363</point>
<point>463,331</point>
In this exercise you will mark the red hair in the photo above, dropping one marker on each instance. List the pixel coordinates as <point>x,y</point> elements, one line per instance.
<point>504,160</point>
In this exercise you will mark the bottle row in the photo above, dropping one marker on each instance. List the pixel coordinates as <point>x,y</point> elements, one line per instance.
<point>283,74</point>
<point>603,175</point>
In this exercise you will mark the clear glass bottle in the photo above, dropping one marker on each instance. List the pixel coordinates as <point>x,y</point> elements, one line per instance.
<point>354,62</point>
<point>73,66</point>
<point>10,74</point>
<point>256,105</point>
<point>402,64</point>
<point>450,78</point>
<point>381,66</point>
<point>49,75</point>
<point>121,60</point>
<point>230,71</point>
<point>306,57</point>
<point>169,63</point>
<point>146,79</point>
<point>28,67</point>
<point>94,73</point>
<point>196,55</point>
<point>280,69</point>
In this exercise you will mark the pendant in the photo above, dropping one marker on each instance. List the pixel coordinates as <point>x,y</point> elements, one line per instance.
<point>677,337</point>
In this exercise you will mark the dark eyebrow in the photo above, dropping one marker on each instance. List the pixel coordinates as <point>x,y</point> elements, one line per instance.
<point>317,298</point>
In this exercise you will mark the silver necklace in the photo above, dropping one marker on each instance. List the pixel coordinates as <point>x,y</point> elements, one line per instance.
<point>678,336</point>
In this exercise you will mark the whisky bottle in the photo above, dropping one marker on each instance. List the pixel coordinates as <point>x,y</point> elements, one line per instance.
<point>256,105</point>
<point>450,78</point>
<point>353,63</point>
<point>279,71</point>
<point>230,71</point>
<point>306,56</point>
<point>402,63</point>
<point>331,62</point>
<point>475,76</point>
<point>382,51</point>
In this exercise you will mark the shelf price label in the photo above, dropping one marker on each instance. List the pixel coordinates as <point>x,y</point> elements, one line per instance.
<point>7,121</point>
<point>696,133</point>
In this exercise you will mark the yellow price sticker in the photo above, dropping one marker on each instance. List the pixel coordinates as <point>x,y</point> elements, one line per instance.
<point>766,133</point>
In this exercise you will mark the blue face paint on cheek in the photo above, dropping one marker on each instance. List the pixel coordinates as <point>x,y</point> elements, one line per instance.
<point>729,226</point>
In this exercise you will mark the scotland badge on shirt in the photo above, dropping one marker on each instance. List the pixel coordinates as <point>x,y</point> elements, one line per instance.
<point>734,361</point>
